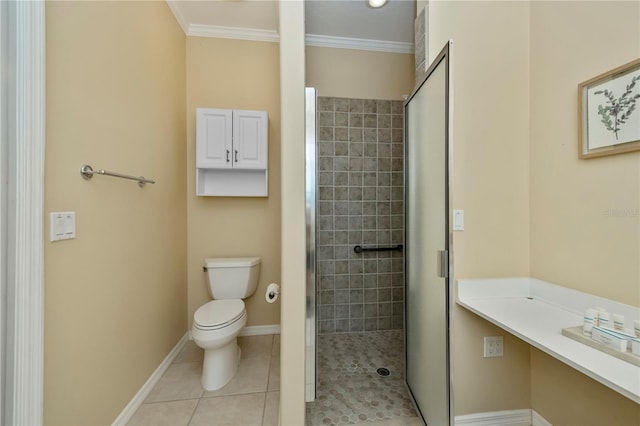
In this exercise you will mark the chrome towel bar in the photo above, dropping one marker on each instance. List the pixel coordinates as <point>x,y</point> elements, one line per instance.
<point>87,172</point>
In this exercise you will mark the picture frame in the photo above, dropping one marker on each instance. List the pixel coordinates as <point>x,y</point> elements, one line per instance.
<point>609,112</point>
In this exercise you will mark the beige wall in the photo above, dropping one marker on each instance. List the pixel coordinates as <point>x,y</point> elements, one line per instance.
<point>234,74</point>
<point>517,175</point>
<point>292,358</point>
<point>116,295</point>
<point>565,396</point>
<point>573,241</point>
<point>490,178</point>
<point>349,73</point>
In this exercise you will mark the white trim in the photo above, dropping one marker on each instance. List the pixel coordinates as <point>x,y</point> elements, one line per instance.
<point>236,33</point>
<point>495,418</point>
<point>259,330</point>
<point>178,15</point>
<point>358,44</point>
<point>538,420</point>
<point>139,398</point>
<point>25,328</point>
<point>256,34</point>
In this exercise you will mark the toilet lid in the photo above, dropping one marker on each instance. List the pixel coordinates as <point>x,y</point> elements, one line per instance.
<point>218,313</point>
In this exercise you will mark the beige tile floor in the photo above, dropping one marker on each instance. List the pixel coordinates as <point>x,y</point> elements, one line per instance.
<point>251,398</point>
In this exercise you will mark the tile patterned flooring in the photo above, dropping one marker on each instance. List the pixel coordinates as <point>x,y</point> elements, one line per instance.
<point>349,389</point>
<point>251,398</point>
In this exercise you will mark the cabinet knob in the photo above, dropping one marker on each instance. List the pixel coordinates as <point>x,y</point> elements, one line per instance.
<point>236,152</point>
<point>227,156</point>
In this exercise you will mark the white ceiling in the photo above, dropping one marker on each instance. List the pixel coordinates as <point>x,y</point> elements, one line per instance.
<point>350,19</point>
<point>253,14</point>
<point>354,19</point>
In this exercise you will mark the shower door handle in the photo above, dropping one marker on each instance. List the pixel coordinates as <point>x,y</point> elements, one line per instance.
<point>443,263</point>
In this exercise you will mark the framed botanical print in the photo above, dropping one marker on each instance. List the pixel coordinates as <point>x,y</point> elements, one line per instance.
<point>609,112</point>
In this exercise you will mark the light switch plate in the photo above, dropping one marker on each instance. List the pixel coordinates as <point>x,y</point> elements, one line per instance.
<point>62,226</point>
<point>458,220</point>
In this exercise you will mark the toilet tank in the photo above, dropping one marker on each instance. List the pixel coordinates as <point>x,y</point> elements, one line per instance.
<point>232,277</point>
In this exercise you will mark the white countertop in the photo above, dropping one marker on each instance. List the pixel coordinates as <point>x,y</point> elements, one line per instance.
<point>537,311</point>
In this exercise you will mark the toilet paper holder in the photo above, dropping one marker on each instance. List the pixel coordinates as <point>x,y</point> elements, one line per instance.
<point>273,292</point>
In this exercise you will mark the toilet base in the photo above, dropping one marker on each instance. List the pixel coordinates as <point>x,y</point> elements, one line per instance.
<point>220,365</point>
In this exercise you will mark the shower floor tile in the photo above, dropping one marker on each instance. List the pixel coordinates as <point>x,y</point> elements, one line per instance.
<point>349,389</point>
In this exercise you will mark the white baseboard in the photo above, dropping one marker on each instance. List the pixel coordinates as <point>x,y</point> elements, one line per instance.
<point>538,420</point>
<point>258,330</point>
<point>138,399</point>
<point>495,418</point>
<point>144,391</point>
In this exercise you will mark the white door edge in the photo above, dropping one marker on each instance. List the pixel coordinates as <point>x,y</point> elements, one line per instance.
<point>23,381</point>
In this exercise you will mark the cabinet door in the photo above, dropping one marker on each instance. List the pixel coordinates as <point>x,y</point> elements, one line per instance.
<point>214,138</point>
<point>250,133</point>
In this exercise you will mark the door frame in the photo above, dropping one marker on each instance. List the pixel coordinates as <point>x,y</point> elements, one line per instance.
<point>443,55</point>
<point>22,91</point>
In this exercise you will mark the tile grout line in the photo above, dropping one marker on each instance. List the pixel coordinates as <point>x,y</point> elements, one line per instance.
<point>358,341</point>
<point>269,367</point>
<point>264,406</point>
<point>194,410</point>
<point>269,357</point>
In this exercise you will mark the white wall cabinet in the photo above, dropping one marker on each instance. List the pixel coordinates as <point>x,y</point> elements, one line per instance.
<point>231,152</point>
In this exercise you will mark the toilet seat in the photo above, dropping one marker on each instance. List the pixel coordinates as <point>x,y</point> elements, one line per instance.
<point>218,314</point>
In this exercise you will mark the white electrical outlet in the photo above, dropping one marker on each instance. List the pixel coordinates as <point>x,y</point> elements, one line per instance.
<point>493,346</point>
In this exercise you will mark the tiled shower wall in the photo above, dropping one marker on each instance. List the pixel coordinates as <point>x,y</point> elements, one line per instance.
<point>421,42</point>
<point>360,202</point>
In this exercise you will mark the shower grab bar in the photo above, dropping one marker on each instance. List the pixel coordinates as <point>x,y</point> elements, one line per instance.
<point>87,172</point>
<point>360,249</point>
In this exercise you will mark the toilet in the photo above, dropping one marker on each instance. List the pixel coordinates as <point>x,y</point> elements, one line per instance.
<point>217,323</point>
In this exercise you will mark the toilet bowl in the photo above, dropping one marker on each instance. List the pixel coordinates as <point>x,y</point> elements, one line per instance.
<point>217,323</point>
<point>216,326</point>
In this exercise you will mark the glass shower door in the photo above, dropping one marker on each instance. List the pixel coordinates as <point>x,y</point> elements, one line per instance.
<point>427,244</point>
<point>310,208</point>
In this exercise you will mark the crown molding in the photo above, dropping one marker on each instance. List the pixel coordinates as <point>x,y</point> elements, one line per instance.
<point>215,31</point>
<point>358,44</point>
<point>178,15</point>
<point>238,33</point>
